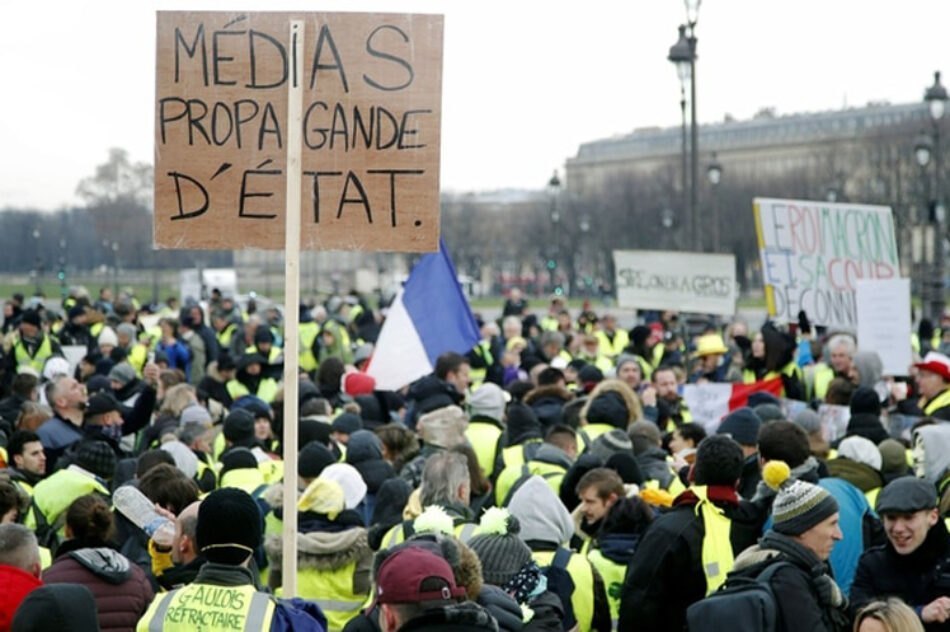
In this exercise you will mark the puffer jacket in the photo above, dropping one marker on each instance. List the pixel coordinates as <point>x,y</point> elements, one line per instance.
<point>17,584</point>
<point>120,588</point>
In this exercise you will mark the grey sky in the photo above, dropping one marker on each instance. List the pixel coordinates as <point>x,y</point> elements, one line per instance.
<point>524,82</point>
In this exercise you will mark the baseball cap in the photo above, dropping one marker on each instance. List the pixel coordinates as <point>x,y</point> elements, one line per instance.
<point>415,575</point>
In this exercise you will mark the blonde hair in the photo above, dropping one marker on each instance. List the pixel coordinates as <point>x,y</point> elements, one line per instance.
<point>896,616</point>
<point>178,398</point>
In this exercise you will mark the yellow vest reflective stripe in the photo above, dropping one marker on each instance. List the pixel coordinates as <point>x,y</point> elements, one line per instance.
<point>940,401</point>
<point>582,574</point>
<point>484,439</point>
<point>717,549</point>
<point>38,361</point>
<point>224,336</point>
<point>266,389</point>
<point>210,609</point>
<point>308,335</point>
<point>613,575</point>
<point>333,592</point>
<point>612,348</point>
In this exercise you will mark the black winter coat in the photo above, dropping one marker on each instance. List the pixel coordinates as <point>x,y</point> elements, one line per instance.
<point>917,579</point>
<point>666,575</point>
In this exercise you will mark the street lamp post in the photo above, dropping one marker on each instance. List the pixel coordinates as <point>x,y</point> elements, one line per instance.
<point>923,150</point>
<point>936,99</point>
<point>714,173</point>
<point>115,268</point>
<point>39,261</point>
<point>62,268</point>
<point>683,54</point>
<point>554,187</point>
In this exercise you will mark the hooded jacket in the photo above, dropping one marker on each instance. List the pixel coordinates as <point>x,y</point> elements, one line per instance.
<point>634,411</point>
<point>542,516</point>
<point>427,394</point>
<point>654,466</point>
<point>547,402</point>
<point>861,475</point>
<point>17,584</point>
<point>120,588</point>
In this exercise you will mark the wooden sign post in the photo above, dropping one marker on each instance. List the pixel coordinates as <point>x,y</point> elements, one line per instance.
<point>342,109</point>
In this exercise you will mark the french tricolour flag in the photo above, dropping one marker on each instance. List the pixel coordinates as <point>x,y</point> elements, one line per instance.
<point>428,317</point>
<point>709,403</point>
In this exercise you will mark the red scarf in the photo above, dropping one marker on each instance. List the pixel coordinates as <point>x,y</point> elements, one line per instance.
<point>722,493</point>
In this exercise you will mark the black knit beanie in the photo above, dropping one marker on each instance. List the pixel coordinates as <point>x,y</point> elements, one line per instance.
<point>229,526</point>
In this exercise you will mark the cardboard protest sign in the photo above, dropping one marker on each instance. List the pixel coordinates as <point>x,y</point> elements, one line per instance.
<point>689,282</point>
<point>370,130</point>
<point>884,322</point>
<point>813,254</point>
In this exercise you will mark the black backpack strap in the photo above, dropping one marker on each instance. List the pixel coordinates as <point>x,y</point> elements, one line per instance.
<point>525,475</point>
<point>561,558</point>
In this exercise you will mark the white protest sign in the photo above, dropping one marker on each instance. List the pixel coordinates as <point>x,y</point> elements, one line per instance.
<point>73,355</point>
<point>884,322</point>
<point>688,282</point>
<point>708,403</point>
<point>813,254</point>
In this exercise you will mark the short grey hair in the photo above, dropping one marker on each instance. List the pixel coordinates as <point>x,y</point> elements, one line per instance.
<point>843,340</point>
<point>443,473</point>
<point>551,337</point>
<point>18,547</point>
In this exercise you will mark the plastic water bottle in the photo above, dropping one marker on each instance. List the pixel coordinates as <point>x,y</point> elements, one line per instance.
<point>135,506</point>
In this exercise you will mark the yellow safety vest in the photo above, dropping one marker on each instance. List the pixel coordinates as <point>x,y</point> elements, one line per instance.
<point>333,592</point>
<point>587,434</point>
<point>940,401</point>
<point>514,454</point>
<point>483,436</point>
<point>871,495</point>
<point>791,370</point>
<point>549,323</point>
<point>602,362</point>
<point>717,548</point>
<point>613,575</point>
<point>658,350</point>
<point>272,355</point>
<point>138,356</point>
<point>36,362</point>
<point>582,574</point>
<point>477,375</point>
<point>209,608</point>
<point>224,336</point>
<point>612,348</point>
<point>250,480</point>
<point>397,535</point>
<point>53,496</point>
<point>308,335</point>
<point>823,376</point>
<point>266,389</point>
<point>552,474</point>
<point>675,487</point>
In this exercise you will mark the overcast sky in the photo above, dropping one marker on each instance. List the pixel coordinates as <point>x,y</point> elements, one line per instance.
<point>524,83</point>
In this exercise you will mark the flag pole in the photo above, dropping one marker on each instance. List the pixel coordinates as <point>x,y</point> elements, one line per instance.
<point>292,306</point>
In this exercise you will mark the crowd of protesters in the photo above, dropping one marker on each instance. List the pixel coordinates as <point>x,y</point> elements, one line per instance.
<point>551,478</point>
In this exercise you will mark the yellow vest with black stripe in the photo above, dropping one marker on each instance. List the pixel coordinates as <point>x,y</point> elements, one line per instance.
<point>612,348</point>
<point>940,401</point>
<point>209,608</point>
<point>333,592</point>
<point>717,556</point>
<point>308,335</point>
<point>36,362</point>
<point>266,389</point>
<point>582,574</point>
<point>224,336</point>
<point>484,435</point>
<point>613,575</point>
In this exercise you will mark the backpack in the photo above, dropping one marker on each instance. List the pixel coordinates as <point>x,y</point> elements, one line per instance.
<point>561,584</point>
<point>741,603</point>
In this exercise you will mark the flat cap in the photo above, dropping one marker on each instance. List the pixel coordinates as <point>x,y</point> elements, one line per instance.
<point>907,495</point>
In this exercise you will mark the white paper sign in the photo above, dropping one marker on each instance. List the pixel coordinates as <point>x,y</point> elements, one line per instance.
<point>688,282</point>
<point>813,254</point>
<point>708,403</point>
<point>884,322</point>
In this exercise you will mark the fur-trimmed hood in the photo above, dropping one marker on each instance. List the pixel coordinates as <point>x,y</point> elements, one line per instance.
<point>324,550</point>
<point>548,391</point>
<point>632,402</point>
